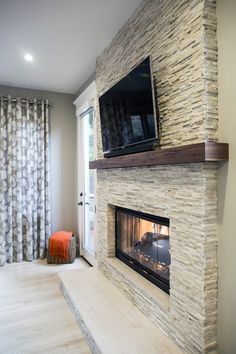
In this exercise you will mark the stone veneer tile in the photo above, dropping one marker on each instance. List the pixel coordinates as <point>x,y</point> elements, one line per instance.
<point>187,195</point>
<point>181,38</point>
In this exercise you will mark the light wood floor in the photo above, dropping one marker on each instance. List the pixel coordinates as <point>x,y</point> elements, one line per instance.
<point>34,316</point>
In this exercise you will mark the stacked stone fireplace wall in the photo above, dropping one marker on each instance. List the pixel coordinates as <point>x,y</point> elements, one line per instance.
<point>181,38</point>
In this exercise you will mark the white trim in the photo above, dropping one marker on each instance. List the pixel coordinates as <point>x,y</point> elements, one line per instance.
<point>86,99</point>
<point>83,102</point>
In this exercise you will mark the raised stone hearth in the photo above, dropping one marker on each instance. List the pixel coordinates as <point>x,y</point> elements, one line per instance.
<point>109,321</point>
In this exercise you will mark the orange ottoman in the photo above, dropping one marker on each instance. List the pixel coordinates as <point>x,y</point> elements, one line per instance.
<point>61,248</point>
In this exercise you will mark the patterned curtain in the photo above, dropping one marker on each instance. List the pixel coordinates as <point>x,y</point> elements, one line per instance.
<point>24,179</point>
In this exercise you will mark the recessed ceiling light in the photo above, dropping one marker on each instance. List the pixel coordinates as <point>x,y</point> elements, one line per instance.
<point>28,57</point>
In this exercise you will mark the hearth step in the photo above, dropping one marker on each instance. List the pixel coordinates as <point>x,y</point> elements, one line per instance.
<point>110,322</point>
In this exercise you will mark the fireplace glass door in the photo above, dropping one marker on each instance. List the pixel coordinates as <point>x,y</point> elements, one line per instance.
<point>143,242</point>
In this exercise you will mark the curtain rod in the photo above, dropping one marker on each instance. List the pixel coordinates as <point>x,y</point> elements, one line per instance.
<point>24,100</point>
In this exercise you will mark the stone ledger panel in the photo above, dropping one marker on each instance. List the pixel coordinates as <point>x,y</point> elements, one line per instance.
<point>181,38</point>
<point>186,194</point>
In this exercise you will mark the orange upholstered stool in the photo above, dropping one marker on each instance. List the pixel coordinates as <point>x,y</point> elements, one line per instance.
<point>61,248</point>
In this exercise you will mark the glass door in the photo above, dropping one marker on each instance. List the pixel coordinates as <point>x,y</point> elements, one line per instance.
<point>87,187</point>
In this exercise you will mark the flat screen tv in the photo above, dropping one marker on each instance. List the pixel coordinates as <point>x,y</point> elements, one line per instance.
<point>128,115</point>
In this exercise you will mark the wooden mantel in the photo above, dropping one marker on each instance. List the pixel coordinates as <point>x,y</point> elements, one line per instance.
<point>201,152</point>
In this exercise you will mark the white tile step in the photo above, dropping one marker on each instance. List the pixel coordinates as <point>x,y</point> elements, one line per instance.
<point>111,323</point>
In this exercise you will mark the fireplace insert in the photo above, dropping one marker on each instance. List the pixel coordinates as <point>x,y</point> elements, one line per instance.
<point>143,243</point>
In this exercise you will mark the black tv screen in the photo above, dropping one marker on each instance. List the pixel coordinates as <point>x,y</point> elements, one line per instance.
<point>127,113</point>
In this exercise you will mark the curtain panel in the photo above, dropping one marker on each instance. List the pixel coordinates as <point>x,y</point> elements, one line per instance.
<point>24,179</point>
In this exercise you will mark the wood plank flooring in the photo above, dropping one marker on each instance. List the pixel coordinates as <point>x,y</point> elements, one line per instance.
<point>34,316</point>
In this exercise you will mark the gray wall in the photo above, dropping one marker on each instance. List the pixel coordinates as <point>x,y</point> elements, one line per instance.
<point>62,155</point>
<point>85,84</point>
<point>226,11</point>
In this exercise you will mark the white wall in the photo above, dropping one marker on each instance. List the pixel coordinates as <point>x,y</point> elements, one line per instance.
<point>62,155</point>
<point>226,13</point>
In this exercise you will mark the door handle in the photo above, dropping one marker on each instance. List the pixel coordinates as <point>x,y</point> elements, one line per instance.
<point>87,203</point>
<point>80,203</point>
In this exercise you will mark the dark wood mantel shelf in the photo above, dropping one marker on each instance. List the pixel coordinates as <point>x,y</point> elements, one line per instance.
<point>201,152</point>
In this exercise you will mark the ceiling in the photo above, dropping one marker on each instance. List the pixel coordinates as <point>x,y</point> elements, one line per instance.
<point>64,36</point>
